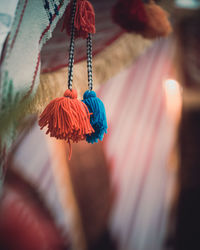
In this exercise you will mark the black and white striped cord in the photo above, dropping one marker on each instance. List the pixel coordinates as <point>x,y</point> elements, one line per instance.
<point>89,61</point>
<point>71,48</point>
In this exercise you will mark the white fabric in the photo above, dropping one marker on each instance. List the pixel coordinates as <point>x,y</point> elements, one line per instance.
<point>7,13</point>
<point>31,20</point>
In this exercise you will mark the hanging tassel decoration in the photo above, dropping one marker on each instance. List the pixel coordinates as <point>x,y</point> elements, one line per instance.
<point>130,15</point>
<point>143,17</point>
<point>84,24</point>
<point>66,117</point>
<point>98,117</point>
<point>84,21</point>
<point>158,24</point>
<point>95,105</point>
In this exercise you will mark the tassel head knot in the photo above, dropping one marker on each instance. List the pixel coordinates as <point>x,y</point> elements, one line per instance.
<point>98,117</point>
<point>89,94</point>
<point>71,93</point>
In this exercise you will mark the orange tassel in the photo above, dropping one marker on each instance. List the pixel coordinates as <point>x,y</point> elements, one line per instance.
<point>84,21</point>
<point>158,24</point>
<point>67,118</point>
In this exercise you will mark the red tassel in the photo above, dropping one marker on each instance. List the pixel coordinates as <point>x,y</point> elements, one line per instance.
<point>130,15</point>
<point>84,21</point>
<point>67,118</point>
<point>158,24</point>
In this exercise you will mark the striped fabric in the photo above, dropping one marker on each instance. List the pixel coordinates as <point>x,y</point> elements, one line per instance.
<point>42,162</point>
<point>137,146</point>
<point>35,162</point>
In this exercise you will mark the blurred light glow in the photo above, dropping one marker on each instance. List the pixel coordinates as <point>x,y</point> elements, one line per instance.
<point>173,94</point>
<point>172,86</point>
<point>189,4</point>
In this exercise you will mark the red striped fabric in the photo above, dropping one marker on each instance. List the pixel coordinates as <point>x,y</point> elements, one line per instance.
<point>137,145</point>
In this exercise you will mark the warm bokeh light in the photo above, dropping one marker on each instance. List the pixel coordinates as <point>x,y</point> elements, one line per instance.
<point>173,94</point>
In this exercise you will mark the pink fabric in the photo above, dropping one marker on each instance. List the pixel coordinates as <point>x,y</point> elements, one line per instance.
<point>34,161</point>
<point>137,146</point>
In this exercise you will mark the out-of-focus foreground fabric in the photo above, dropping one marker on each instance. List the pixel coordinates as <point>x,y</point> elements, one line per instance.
<point>138,145</point>
<point>32,26</point>
<point>41,164</point>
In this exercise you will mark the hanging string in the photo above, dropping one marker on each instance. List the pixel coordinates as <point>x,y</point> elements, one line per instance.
<point>94,104</point>
<point>71,48</point>
<point>67,117</point>
<point>89,61</point>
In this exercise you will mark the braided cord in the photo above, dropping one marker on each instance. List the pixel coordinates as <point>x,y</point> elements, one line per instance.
<point>71,48</point>
<point>89,61</point>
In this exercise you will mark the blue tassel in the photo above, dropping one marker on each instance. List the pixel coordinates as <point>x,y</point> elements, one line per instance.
<point>98,117</point>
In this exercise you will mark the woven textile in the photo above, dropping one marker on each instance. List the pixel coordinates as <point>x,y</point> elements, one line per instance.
<point>32,27</point>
